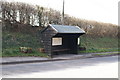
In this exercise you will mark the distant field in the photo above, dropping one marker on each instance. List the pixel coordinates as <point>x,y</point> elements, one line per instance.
<point>12,42</point>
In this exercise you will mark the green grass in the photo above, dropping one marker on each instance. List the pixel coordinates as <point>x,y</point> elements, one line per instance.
<point>1,54</point>
<point>15,52</point>
<point>99,44</point>
<point>106,54</point>
<point>12,41</point>
<point>99,50</point>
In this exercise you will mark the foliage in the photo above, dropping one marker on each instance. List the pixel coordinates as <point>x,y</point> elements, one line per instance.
<point>15,14</point>
<point>25,49</point>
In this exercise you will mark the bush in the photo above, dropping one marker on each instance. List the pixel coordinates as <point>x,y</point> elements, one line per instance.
<point>25,49</point>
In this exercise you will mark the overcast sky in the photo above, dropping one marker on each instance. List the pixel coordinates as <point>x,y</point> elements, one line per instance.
<point>98,10</point>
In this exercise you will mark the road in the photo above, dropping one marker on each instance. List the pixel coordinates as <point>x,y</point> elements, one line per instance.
<point>100,67</point>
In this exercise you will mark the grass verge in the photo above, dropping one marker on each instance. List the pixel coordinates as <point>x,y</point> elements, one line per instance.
<point>16,53</point>
<point>106,54</point>
<point>94,50</point>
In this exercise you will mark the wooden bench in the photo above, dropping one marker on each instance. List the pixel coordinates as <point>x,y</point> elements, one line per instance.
<point>59,50</point>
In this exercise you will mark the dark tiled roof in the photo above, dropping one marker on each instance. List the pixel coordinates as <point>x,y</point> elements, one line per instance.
<point>67,29</point>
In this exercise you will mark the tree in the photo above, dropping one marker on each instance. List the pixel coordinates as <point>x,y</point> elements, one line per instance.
<point>40,14</point>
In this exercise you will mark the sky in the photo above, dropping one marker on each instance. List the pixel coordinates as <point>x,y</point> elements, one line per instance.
<point>98,10</point>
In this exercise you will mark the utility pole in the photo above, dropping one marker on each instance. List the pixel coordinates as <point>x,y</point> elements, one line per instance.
<point>62,17</point>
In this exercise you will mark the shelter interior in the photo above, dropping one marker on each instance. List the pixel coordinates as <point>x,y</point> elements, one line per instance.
<point>65,43</point>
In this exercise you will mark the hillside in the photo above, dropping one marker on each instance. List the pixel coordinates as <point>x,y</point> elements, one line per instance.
<point>12,41</point>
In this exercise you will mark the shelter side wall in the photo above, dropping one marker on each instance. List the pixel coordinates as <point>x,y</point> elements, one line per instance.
<point>46,39</point>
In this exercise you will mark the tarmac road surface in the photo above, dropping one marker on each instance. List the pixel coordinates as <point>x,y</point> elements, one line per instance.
<point>100,67</point>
